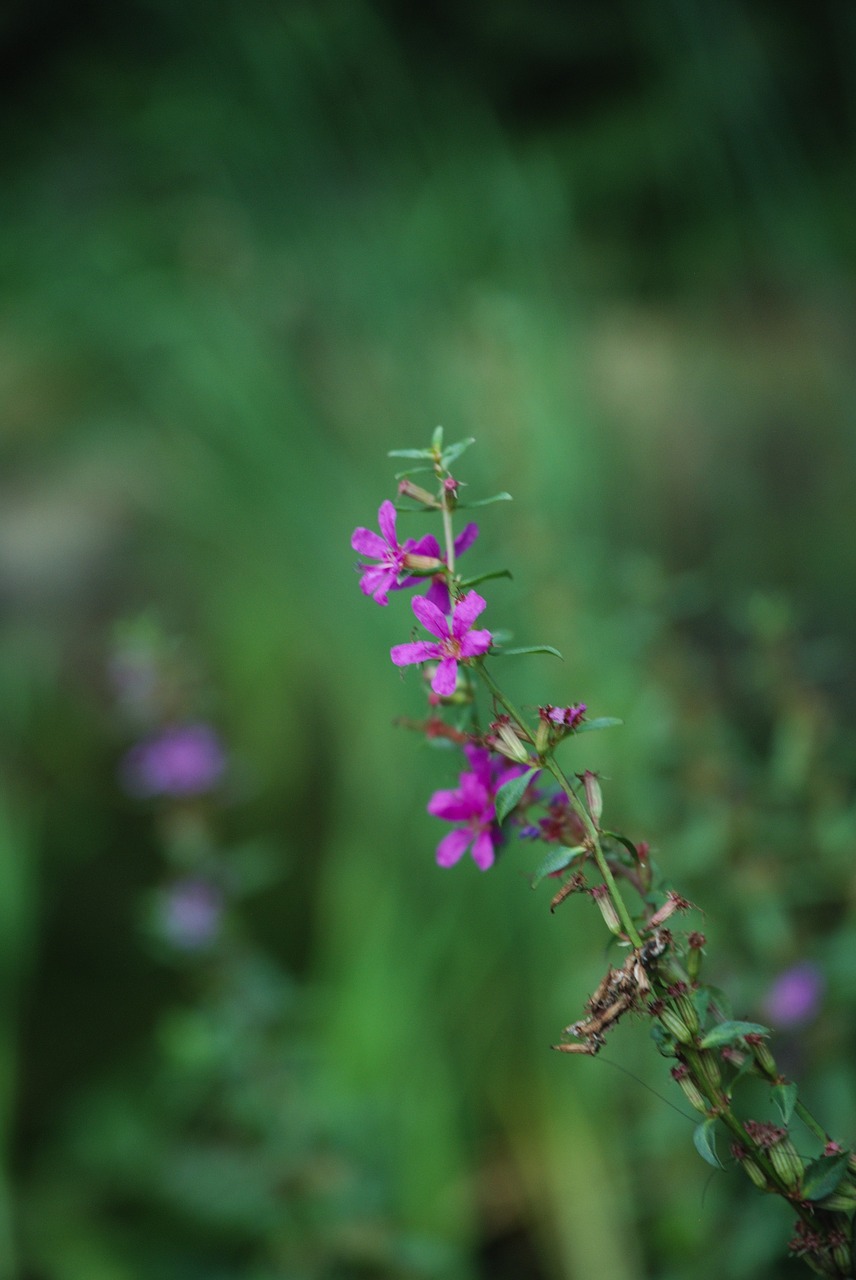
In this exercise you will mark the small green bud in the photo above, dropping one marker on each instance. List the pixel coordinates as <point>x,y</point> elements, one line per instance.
<point>594,796</point>
<point>674,1023</point>
<point>689,1088</point>
<point>786,1162</point>
<point>600,893</point>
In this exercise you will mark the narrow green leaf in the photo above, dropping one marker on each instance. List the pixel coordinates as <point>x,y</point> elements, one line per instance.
<point>628,844</point>
<point>529,648</point>
<point>785,1097</point>
<point>509,794</point>
<point>437,438</point>
<point>556,860</point>
<point>485,577</point>
<point>602,722</point>
<point>410,453</point>
<point>454,451</point>
<point>728,1032</point>
<point>824,1175</point>
<point>705,1144</point>
<point>411,471</point>
<point>484,502</point>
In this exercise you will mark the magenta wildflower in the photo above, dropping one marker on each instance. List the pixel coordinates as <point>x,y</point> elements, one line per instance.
<point>181,760</point>
<point>566,717</point>
<point>456,640</point>
<point>379,579</point>
<point>472,806</point>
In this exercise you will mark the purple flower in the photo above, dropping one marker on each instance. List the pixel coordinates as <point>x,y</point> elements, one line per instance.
<point>381,578</point>
<point>191,912</point>
<point>457,641</point>
<point>179,761</point>
<point>795,995</point>
<point>472,806</point>
<point>567,717</point>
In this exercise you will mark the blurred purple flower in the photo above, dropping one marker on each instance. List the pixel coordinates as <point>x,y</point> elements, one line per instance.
<point>182,760</point>
<point>457,641</point>
<point>191,912</point>
<point>794,997</point>
<point>473,807</point>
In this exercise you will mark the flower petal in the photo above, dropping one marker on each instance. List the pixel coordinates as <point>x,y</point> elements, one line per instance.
<point>466,612</point>
<point>438,594</point>
<point>431,617</point>
<point>419,651</point>
<point>445,677</point>
<point>452,847</point>
<point>386,519</point>
<point>427,546</point>
<point>376,582</point>
<point>449,805</point>
<point>368,543</point>
<point>475,643</point>
<point>482,850</point>
<point>466,538</point>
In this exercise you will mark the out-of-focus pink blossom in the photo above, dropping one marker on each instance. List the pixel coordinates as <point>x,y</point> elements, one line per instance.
<point>191,913</point>
<point>472,806</point>
<point>795,996</point>
<point>181,760</point>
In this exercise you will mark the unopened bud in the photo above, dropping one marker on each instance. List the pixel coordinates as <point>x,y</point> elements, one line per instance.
<point>706,1067</point>
<point>695,943</point>
<point>422,565</point>
<point>508,743</point>
<point>762,1055</point>
<point>787,1163</point>
<point>843,1200</point>
<point>842,1258</point>
<point>600,893</point>
<point>594,796</point>
<point>674,1023</point>
<point>753,1171</point>
<point>684,1005</point>
<point>408,489</point>
<point>689,1088</point>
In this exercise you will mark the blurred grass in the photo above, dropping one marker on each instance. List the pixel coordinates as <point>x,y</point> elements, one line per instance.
<point>244,256</point>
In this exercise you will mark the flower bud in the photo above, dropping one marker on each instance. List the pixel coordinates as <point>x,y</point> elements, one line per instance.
<point>674,1023</point>
<point>695,944</point>
<point>600,893</point>
<point>508,743</point>
<point>408,489</point>
<point>689,1088</point>
<point>842,1258</point>
<point>787,1163</point>
<point>762,1055</point>
<point>753,1171</point>
<point>684,1005</point>
<point>422,565</point>
<point>594,796</point>
<point>706,1067</point>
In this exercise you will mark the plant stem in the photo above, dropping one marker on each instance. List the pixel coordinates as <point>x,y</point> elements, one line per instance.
<point>592,835</point>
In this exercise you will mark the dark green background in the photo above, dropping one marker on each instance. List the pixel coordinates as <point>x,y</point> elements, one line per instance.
<point>248,248</point>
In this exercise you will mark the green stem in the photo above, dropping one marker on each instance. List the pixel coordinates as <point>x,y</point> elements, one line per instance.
<point>592,835</point>
<point>809,1121</point>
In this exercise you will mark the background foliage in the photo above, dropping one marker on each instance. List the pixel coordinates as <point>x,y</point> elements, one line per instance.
<point>249,248</point>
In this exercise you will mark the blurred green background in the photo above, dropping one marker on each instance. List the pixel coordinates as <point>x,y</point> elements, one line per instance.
<point>247,249</point>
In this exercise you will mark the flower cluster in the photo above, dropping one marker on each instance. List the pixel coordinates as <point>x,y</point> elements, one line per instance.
<point>512,779</point>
